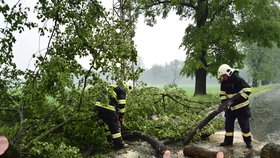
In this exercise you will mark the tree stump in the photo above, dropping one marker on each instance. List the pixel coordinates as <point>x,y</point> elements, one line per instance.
<point>270,150</point>
<point>199,152</point>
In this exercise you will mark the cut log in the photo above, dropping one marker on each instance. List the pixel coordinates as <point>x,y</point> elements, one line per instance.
<point>270,150</point>
<point>199,152</point>
<point>200,125</point>
<point>158,146</point>
<point>7,150</point>
<point>4,144</point>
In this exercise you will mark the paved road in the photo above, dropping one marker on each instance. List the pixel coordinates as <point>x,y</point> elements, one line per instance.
<point>265,121</point>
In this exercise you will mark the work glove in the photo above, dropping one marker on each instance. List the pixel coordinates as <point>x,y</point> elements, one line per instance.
<point>121,119</point>
<point>226,104</point>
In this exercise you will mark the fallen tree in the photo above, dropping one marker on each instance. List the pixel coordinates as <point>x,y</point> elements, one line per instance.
<point>158,146</point>
<point>201,124</point>
<point>199,152</point>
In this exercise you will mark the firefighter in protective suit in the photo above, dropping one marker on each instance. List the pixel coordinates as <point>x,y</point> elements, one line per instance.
<point>234,95</point>
<point>113,114</point>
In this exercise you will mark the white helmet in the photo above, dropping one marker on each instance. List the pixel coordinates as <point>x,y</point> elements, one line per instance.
<point>225,69</point>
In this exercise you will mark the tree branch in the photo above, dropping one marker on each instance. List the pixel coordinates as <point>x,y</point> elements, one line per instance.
<point>84,87</point>
<point>158,2</point>
<point>219,10</point>
<point>47,133</point>
<point>173,97</point>
<point>200,125</point>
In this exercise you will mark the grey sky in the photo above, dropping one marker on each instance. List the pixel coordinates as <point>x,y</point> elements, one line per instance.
<point>160,44</point>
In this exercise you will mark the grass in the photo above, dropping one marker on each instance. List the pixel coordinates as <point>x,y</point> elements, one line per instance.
<point>213,92</point>
<point>215,89</point>
<point>261,89</point>
<point>210,89</point>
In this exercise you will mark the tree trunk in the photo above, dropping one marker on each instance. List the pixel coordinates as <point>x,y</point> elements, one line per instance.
<point>270,150</point>
<point>200,82</point>
<point>199,152</point>
<point>159,147</point>
<point>255,82</point>
<point>264,82</point>
<point>201,15</point>
<point>200,125</point>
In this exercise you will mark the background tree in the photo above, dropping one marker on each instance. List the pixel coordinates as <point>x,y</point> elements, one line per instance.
<point>160,75</point>
<point>261,63</point>
<point>217,29</point>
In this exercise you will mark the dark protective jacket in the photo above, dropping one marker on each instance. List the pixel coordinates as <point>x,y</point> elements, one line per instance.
<point>238,90</point>
<point>111,111</point>
<point>117,100</point>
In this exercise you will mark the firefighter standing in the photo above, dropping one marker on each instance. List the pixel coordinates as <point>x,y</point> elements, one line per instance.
<point>113,114</point>
<point>235,95</point>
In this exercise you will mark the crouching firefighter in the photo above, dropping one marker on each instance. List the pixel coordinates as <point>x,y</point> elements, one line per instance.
<point>113,114</point>
<point>234,97</point>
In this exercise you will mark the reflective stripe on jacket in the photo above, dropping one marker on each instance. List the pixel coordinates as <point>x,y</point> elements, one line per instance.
<point>109,107</point>
<point>237,88</point>
<point>117,100</point>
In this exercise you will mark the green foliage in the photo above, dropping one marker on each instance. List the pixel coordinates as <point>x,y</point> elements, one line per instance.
<point>261,62</point>
<point>49,111</point>
<point>44,149</point>
<point>166,113</point>
<point>84,28</point>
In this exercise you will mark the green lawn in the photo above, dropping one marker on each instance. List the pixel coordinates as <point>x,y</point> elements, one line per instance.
<point>261,89</point>
<point>210,89</point>
<point>213,91</point>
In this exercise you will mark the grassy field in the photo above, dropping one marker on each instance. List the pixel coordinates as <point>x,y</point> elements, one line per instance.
<point>258,90</point>
<point>214,90</point>
<point>210,89</point>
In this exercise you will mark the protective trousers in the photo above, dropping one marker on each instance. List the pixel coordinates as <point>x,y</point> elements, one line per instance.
<point>244,125</point>
<point>111,119</point>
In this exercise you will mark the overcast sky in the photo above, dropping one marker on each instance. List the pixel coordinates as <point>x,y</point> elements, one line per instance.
<point>155,45</point>
<point>160,44</point>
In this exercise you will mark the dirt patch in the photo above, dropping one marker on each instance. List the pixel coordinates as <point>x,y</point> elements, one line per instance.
<point>140,149</point>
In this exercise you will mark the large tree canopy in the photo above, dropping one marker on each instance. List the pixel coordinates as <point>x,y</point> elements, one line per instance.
<point>217,30</point>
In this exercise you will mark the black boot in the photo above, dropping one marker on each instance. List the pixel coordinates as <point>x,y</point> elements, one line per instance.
<point>226,144</point>
<point>121,146</point>
<point>227,141</point>
<point>249,146</point>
